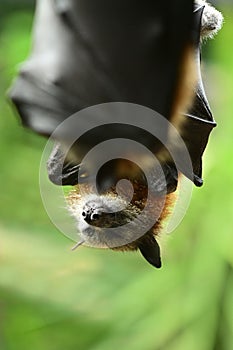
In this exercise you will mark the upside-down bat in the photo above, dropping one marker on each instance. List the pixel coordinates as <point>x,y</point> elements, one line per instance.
<point>88,53</point>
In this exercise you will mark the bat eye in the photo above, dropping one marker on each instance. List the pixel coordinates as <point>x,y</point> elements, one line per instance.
<point>84,175</point>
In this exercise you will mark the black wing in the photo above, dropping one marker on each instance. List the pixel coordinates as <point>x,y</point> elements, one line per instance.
<point>88,52</point>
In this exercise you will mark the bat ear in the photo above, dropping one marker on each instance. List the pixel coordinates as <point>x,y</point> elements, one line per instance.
<point>150,250</point>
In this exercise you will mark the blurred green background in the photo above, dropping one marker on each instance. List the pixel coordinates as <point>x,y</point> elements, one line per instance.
<point>53,299</point>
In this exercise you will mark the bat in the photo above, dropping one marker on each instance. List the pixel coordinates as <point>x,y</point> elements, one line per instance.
<point>90,53</point>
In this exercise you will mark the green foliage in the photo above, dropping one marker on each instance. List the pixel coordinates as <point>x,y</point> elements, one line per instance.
<point>53,299</point>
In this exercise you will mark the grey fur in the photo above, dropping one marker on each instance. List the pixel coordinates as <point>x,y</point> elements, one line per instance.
<point>212,20</point>
<point>116,211</point>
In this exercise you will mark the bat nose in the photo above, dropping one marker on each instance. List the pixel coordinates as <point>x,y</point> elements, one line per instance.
<point>90,215</point>
<point>85,214</point>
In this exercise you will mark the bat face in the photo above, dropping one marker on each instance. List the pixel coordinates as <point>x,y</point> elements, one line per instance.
<point>100,212</point>
<point>94,213</point>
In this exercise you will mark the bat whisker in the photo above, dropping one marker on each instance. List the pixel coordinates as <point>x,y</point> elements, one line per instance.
<point>77,245</point>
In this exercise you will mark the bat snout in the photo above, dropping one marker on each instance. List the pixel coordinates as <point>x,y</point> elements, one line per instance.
<point>91,215</point>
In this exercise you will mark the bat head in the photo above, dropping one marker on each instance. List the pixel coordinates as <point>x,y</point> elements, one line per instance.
<point>102,222</point>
